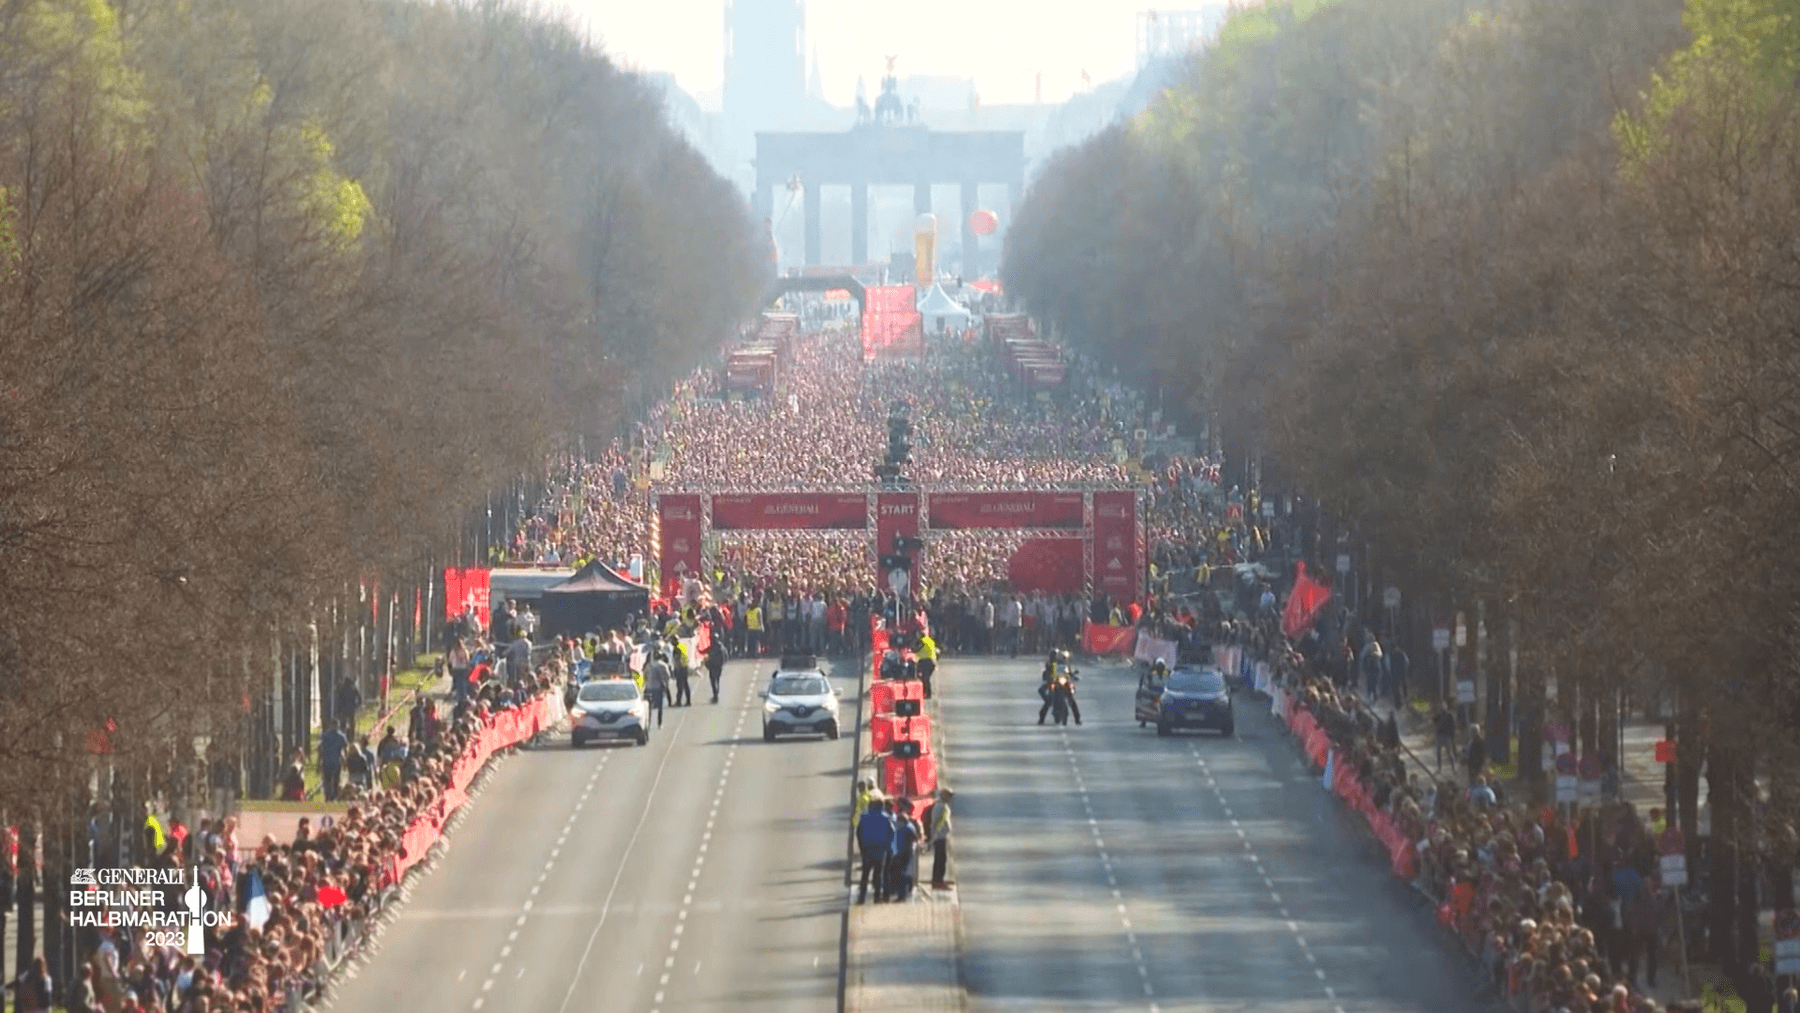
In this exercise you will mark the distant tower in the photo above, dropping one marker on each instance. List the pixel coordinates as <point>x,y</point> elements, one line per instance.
<point>815,87</point>
<point>765,63</point>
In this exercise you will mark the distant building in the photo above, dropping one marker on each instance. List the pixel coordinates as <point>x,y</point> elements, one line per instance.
<point>765,64</point>
<point>1164,35</point>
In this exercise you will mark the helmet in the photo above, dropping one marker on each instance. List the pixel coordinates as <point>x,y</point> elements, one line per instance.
<point>1160,663</point>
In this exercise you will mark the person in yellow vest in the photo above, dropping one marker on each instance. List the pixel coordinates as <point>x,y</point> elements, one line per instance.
<point>926,653</point>
<point>866,794</point>
<point>753,628</point>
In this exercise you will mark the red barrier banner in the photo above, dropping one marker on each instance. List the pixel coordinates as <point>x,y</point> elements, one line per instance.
<point>1007,510</point>
<point>896,514</point>
<point>790,511</point>
<point>678,520</point>
<point>914,730</point>
<point>466,588</point>
<point>1117,570</point>
<point>1050,565</point>
<point>504,729</point>
<point>1098,638</point>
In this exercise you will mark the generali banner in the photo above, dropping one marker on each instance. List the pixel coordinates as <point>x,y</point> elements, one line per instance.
<point>1116,564</point>
<point>678,523</point>
<point>1006,510</point>
<point>790,511</point>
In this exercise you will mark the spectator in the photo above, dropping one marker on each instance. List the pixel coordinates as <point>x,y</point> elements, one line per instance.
<point>331,758</point>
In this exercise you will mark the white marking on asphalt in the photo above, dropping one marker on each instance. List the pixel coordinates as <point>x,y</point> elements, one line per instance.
<point>461,974</point>
<point>1137,954</point>
<point>1250,853</point>
<point>687,899</point>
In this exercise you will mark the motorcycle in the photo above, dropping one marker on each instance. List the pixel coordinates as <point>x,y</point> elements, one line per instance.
<point>1062,697</point>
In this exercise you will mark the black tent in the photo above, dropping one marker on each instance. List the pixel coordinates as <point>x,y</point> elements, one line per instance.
<point>595,598</point>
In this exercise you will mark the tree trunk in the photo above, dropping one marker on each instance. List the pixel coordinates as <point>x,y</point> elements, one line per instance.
<point>1687,777</point>
<point>25,892</point>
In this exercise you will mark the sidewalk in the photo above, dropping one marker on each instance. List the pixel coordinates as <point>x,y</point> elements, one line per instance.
<point>906,956</point>
<point>903,956</point>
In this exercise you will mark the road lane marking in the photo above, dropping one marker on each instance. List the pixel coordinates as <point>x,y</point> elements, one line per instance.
<point>624,863</point>
<point>687,899</point>
<point>1274,895</point>
<point>1137,954</point>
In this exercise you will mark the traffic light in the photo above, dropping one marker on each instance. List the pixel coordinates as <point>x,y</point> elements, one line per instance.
<point>899,449</point>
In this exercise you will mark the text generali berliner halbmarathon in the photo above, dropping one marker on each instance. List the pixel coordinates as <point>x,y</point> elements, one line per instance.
<point>165,903</point>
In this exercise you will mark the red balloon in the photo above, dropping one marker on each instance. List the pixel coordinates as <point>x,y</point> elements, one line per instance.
<point>983,222</point>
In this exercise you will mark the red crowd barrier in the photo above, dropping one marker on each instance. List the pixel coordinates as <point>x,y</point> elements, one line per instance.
<point>883,693</point>
<point>507,728</point>
<point>909,778</point>
<point>1403,855</point>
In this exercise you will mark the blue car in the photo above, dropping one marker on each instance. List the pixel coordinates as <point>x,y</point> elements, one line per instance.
<point>1195,698</point>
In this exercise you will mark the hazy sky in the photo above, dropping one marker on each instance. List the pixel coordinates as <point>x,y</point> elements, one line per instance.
<point>1002,44</point>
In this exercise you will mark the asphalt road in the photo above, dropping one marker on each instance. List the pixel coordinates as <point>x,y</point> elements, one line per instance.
<point>1102,867</point>
<point>701,872</point>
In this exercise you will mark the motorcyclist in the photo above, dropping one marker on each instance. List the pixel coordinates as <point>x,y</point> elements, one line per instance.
<point>1046,689</point>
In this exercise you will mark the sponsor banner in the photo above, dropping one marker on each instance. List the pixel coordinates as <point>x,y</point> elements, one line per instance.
<point>1116,568</point>
<point>465,588</point>
<point>1100,639</point>
<point>1050,565</point>
<point>678,520</point>
<point>1006,510</point>
<point>790,511</point>
<point>1150,648</point>
<point>896,515</point>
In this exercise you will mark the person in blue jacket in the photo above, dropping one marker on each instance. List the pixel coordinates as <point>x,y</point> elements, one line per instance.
<point>875,836</point>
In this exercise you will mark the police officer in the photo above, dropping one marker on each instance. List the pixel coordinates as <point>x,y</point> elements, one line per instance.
<point>1056,657</point>
<point>684,693</point>
<point>927,655</point>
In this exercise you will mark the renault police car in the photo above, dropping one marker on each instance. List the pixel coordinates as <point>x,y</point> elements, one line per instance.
<point>800,700</point>
<point>609,709</point>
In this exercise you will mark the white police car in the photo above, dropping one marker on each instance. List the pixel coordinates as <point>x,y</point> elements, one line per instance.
<point>800,700</point>
<point>609,709</point>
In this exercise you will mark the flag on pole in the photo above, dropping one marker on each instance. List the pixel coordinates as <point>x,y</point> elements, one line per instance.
<point>1304,603</point>
<point>256,908</point>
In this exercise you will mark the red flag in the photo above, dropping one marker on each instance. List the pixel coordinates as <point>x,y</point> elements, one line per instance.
<point>1304,603</point>
<point>330,897</point>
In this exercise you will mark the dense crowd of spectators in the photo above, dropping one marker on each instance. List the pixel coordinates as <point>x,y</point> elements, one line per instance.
<point>300,902</point>
<point>1564,919</point>
<point>975,428</point>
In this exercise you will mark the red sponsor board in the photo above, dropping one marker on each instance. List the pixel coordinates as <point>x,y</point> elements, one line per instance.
<point>1006,510</point>
<point>466,588</point>
<point>1116,566</point>
<point>896,514</point>
<point>1050,565</point>
<point>1101,639</point>
<point>678,518</point>
<point>789,511</point>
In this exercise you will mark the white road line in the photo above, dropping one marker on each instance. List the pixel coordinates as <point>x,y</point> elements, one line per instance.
<point>1137,954</point>
<point>1250,850</point>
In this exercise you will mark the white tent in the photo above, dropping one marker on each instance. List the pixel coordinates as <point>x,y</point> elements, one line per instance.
<point>938,306</point>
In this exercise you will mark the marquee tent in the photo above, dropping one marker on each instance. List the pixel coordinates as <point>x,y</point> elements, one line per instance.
<point>937,306</point>
<point>595,598</point>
